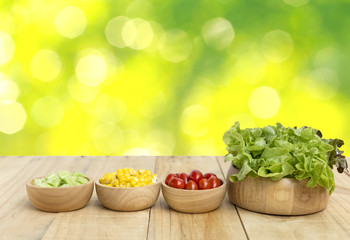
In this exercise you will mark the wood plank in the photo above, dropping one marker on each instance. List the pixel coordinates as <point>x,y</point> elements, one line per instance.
<point>165,223</point>
<point>332,223</point>
<point>18,218</point>
<point>96,222</point>
<point>10,166</point>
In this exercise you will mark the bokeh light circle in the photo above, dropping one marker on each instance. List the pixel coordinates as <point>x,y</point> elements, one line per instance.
<point>70,22</point>
<point>137,34</point>
<point>195,120</point>
<point>137,152</point>
<point>296,3</point>
<point>109,109</point>
<point>80,92</point>
<point>322,83</point>
<point>107,138</point>
<point>264,102</point>
<point>277,46</point>
<point>47,111</point>
<point>176,46</point>
<point>8,90</point>
<point>140,8</point>
<point>91,70</point>
<point>250,68</point>
<point>13,117</point>
<point>45,65</point>
<point>246,120</point>
<point>7,47</point>
<point>114,30</point>
<point>218,33</point>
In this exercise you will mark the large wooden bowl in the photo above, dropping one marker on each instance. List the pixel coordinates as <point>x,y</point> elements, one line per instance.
<point>62,199</point>
<point>287,196</point>
<point>194,201</point>
<point>128,199</point>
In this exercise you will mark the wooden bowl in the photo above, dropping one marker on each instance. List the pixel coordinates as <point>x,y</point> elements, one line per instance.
<point>287,196</point>
<point>194,201</point>
<point>60,199</point>
<point>128,199</point>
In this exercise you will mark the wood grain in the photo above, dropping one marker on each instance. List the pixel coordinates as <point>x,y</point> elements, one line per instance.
<point>223,223</point>
<point>128,199</point>
<point>95,221</point>
<point>284,197</point>
<point>331,223</point>
<point>59,199</point>
<point>197,201</point>
<point>20,220</point>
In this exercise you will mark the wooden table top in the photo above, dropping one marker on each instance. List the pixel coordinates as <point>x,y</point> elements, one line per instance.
<point>20,220</point>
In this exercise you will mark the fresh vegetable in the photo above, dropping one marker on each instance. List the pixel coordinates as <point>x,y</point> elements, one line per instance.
<point>196,180</point>
<point>61,179</point>
<point>277,152</point>
<point>203,184</point>
<point>208,175</point>
<point>128,177</point>
<point>184,177</point>
<point>196,175</point>
<point>191,185</point>
<point>169,177</point>
<point>214,182</point>
<point>177,183</point>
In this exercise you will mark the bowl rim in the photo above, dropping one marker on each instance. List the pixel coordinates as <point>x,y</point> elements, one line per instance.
<point>223,185</point>
<point>31,185</point>
<point>158,182</point>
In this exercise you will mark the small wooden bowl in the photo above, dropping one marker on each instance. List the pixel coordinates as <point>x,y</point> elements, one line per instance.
<point>287,196</point>
<point>194,201</point>
<point>128,199</point>
<point>60,199</point>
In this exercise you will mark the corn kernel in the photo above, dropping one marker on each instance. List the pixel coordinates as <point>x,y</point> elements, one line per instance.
<point>129,177</point>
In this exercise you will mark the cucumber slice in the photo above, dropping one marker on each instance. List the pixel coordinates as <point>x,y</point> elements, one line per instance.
<point>53,180</point>
<point>78,174</point>
<point>82,180</point>
<point>61,179</point>
<point>44,184</point>
<point>69,180</point>
<point>62,174</point>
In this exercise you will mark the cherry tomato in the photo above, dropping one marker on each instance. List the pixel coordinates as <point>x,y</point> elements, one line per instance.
<point>203,184</point>
<point>169,177</point>
<point>214,182</point>
<point>208,175</point>
<point>184,177</point>
<point>177,183</point>
<point>178,175</point>
<point>191,185</point>
<point>196,176</point>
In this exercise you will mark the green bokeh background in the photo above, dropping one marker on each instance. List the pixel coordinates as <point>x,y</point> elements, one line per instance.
<point>168,77</point>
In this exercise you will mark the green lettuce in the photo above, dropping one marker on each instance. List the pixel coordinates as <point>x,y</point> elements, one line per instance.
<point>277,152</point>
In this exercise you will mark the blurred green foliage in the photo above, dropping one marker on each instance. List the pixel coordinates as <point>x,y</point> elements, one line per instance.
<point>168,77</point>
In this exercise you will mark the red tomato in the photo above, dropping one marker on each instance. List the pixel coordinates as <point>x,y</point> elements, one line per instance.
<point>177,183</point>
<point>208,175</point>
<point>169,177</point>
<point>214,182</point>
<point>203,184</point>
<point>184,177</point>
<point>191,185</point>
<point>196,176</point>
<point>177,175</point>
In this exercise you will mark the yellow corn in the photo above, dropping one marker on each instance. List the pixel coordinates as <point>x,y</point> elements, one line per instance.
<point>129,177</point>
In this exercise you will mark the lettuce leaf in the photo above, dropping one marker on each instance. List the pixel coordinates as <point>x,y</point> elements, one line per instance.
<point>277,152</point>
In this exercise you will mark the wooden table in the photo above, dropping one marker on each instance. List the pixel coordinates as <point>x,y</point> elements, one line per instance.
<point>20,220</point>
